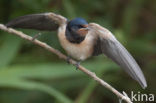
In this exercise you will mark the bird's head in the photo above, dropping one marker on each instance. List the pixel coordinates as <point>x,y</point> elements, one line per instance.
<point>78,26</point>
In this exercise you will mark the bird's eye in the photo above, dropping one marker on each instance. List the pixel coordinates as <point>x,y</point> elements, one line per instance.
<point>81,26</point>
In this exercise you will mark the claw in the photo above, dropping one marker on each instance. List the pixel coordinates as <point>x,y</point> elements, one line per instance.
<point>68,59</point>
<point>77,65</point>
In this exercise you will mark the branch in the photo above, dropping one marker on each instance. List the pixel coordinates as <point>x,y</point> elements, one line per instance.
<point>71,61</point>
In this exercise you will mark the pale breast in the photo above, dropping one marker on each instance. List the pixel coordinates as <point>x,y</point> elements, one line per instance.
<point>78,51</point>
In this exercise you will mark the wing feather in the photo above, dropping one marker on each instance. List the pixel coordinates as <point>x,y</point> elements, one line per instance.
<point>42,21</point>
<point>113,49</point>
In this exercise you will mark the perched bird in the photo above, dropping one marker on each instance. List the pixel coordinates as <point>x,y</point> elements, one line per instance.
<point>82,40</point>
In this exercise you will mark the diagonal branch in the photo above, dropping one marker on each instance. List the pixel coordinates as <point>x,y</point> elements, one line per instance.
<point>62,56</point>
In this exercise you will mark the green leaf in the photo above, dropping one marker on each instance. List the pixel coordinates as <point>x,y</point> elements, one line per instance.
<point>39,71</point>
<point>15,76</point>
<point>51,70</point>
<point>9,50</point>
<point>31,85</point>
<point>86,93</point>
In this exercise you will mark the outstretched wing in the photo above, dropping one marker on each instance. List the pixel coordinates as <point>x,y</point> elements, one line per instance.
<point>43,21</point>
<point>113,49</point>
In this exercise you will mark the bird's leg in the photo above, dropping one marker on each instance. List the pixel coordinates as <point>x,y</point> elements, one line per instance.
<point>36,36</point>
<point>68,59</point>
<point>77,65</point>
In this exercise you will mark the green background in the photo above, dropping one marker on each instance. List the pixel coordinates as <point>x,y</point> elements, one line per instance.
<point>30,74</point>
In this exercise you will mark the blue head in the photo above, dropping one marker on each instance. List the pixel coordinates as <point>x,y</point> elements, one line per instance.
<point>76,30</point>
<point>79,22</point>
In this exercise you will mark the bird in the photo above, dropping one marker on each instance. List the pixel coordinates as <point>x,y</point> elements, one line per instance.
<point>82,40</point>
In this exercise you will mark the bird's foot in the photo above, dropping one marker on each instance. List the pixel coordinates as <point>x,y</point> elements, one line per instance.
<point>77,65</point>
<point>36,36</point>
<point>68,59</point>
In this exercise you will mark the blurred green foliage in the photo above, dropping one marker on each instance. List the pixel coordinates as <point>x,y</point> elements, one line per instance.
<point>24,66</point>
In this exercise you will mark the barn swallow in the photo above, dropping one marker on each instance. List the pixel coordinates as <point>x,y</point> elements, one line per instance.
<point>82,40</point>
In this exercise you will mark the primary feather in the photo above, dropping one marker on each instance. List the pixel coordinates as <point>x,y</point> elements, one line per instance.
<point>42,21</point>
<point>113,49</point>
